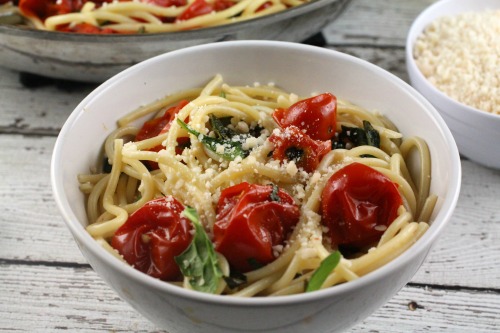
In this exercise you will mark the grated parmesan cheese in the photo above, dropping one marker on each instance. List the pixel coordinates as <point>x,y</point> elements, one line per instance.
<point>460,55</point>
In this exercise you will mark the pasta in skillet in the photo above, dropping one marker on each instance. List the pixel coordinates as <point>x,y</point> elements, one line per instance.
<point>255,191</point>
<point>144,16</point>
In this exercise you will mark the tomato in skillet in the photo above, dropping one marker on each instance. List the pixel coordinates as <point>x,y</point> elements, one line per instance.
<point>45,8</point>
<point>153,236</point>
<point>294,145</point>
<point>167,3</point>
<point>357,204</point>
<point>202,7</point>
<point>251,219</point>
<point>160,125</point>
<point>317,116</point>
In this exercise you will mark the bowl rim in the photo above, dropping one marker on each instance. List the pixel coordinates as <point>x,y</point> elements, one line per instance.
<point>416,29</point>
<point>423,244</point>
<point>207,32</point>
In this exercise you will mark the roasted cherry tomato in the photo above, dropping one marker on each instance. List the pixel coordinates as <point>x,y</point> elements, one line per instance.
<point>153,236</point>
<point>202,7</point>
<point>317,116</point>
<point>357,204</point>
<point>85,28</point>
<point>197,8</point>
<point>294,145</point>
<point>45,8</point>
<point>251,220</point>
<point>167,3</point>
<point>157,126</point>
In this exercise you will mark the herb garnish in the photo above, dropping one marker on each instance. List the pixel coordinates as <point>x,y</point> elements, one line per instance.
<point>199,261</point>
<point>325,268</point>
<point>231,149</point>
<point>351,137</point>
<point>274,196</point>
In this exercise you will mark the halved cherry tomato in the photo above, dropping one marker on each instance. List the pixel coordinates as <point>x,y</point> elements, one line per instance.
<point>317,116</point>
<point>46,8</point>
<point>197,8</point>
<point>251,219</point>
<point>85,28</point>
<point>357,204</point>
<point>157,126</point>
<point>202,7</point>
<point>294,145</point>
<point>153,236</point>
<point>167,3</point>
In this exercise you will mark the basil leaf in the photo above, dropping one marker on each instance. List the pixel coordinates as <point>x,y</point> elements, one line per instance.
<point>274,196</point>
<point>372,135</point>
<point>235,279</point>
<point>325,268</point>
<point>199,261</point>
<point>219,126</point>
<point>232,149</point>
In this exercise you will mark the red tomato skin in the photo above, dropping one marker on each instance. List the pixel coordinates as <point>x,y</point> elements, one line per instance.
<point>293,137</point>
<point>160,125</point>
<point>249,224</point>
<point>355,201</point>
<point>317,116</point>
<point>169,235</point>
<point>46,8</point>
<point>197,8</point>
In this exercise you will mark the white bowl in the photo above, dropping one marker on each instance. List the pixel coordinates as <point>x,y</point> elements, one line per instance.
<point>476,132</point>
<point>299,68</point>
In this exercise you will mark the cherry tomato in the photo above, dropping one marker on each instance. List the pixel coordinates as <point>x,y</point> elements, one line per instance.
<point>157,126</point>
<point>317,116</point>
<point>357,204</point>
<point>46,8</point>
<point>85,28</point>
<point>294,145</point>
<point>251,219</point>
<point>153,236</point>
<point>197,8</point>
<point>222,4</point>
<point>167,3</point>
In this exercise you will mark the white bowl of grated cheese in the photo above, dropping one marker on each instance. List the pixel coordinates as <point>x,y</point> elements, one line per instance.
<point>453,59</point>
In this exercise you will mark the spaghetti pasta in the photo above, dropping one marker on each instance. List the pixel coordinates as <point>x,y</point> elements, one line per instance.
<point>144,16</point>
<point>184,163</point>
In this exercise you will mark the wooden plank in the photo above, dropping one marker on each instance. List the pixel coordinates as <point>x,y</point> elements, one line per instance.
<point>33,230</point>
<point>38,298</point>
<point>374,22</point>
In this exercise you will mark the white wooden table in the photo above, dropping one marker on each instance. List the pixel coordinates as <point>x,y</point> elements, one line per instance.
<point>46,285</point>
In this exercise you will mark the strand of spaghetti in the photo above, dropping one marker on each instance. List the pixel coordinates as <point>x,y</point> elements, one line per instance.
<point>296,266</point>
<point>131,6</point>
<point>264,91</point>
<point>146,188</point>
<point>158,105</point>
<point>102,242</point>
<point>423,181</point>
<point>398,166</point>
<point>399,223</point>
<point>344,109</point>
<point>269,104</point>
<point>247,166</point>
<point>378,256</point>
<point>368,150</point>
<point>107,229</point>
<point>428,208</point>
<point>119,133</point>
<point>220,17</point>
<point>253,7</point>
<point>258,286</point>
<point>404,188</point>
<point>296,287</point>
<point>277,265</point>
<point>387,252</point>
<point>93,210</point>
